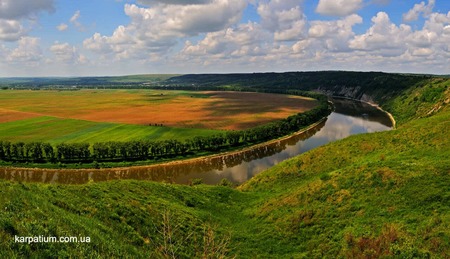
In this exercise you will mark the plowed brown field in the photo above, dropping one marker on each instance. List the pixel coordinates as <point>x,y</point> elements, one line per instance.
<point>212,110</point>
<point>10,115</point>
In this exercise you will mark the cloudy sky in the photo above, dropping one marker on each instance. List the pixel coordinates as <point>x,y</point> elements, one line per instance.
<point>117,37</point>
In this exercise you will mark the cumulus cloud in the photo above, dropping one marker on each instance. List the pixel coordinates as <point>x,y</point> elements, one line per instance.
<point>66,53</point>
<point>11,30</point>
<point>12,12</point>
<point>242,41</point>
<point>157,29</point>
<point>324,44</point>
<point>418,9</point>
<point>186,19</point>
<point>283,37</point>
<point>334,35</point>
<point>338,7</point>
<point>384,37</point>
<point>28,52</point>
<point>284,18</point>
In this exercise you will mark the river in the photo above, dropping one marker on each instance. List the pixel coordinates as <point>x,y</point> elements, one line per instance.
<point>349,118</point>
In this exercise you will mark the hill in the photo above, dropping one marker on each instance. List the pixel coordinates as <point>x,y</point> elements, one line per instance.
<point>371,195</point>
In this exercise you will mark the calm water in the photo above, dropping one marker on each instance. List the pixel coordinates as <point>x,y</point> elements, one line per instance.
<point>349,118</point>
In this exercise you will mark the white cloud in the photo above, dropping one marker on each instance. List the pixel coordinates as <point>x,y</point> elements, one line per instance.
<point>422,39</point>
<point>157,29</point>
<point>326,45</point>
<point>75,17</point>
<point>418,9</point>
<point>242,41</point>
<point>12,12</point>
<point>422,52</point>
<point>75,20</point>
<point>334,35</point>
<point>179,20</point>
<point>215,40</point>
<point>338,7</point>
<point>66,53</point>
<point>11,30</point>
<point>383,38</point>
<point>28,52</point>
<point>62,27</point>
<point>284,18</point>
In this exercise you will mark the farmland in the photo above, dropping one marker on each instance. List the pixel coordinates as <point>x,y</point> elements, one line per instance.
<point>97,115</point>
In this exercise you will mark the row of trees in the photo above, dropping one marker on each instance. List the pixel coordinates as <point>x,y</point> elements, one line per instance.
<point>147,149</point>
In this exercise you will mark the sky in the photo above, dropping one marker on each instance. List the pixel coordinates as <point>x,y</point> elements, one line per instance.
<point>121,37</point>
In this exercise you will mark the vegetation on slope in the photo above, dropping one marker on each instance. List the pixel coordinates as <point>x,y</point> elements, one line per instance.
<point>421,100</point>
<point>370,195</point>
<point>377,86</point>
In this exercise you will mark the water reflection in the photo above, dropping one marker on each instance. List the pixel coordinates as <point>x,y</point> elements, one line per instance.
<point>349,118</point>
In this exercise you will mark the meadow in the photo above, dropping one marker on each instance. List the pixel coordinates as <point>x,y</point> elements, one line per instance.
<point>99,115</point>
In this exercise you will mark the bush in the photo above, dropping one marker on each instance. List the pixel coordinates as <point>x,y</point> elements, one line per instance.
<point>226,182</point>
<point>196,181</point>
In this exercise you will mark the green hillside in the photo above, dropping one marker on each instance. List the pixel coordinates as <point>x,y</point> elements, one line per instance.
<point>383,194</point>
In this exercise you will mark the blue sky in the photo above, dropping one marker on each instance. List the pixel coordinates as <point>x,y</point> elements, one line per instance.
<point>117,37</point>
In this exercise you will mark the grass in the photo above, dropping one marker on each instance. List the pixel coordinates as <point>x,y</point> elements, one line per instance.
<point>372,195</point>
<point>56,130</point>
<point>421,100</point>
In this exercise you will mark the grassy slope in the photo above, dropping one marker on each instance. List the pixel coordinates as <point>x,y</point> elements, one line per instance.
<point>368,195</point>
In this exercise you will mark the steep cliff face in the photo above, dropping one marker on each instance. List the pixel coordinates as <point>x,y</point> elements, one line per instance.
<point>422,99</point>
<point>344,91</point>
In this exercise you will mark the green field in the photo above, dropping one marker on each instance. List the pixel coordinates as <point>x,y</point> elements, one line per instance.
<point>56,130</point>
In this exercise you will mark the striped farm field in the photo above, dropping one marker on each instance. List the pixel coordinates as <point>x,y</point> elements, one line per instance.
<point>56,130</point>
<point>123,115</point>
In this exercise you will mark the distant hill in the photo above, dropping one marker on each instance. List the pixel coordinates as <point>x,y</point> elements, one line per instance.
<point>84,81</point>
<point>375,86</point>
<point>368,86</point>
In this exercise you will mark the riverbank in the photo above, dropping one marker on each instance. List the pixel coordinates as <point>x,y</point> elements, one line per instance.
<point>173,162</point>
<point>391,117</point>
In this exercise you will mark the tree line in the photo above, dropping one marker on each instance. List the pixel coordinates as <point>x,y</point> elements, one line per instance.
<point>147,149</point>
